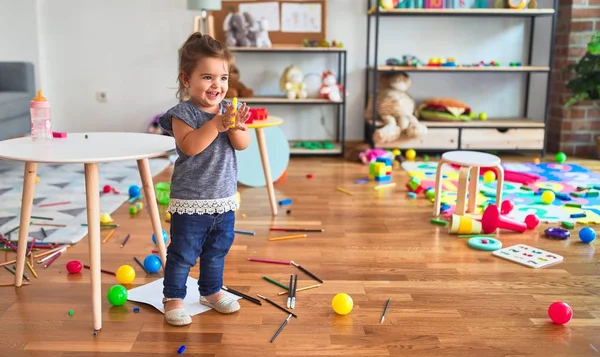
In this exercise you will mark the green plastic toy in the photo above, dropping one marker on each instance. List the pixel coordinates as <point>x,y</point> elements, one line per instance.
<point>117,295</point>
<point>484,243</point>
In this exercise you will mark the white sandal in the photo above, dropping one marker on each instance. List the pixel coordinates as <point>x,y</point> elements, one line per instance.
<point>177,317</point>
<point>226,305</point>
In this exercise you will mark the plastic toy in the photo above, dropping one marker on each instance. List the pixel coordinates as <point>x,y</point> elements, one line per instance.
<point>560,312</point>
<point>117,295</point>
<point>237,88</point>
<point>388,4</point>
<point>483,116</point>
<point>410,154</point>
<point>330,89</point>
<point>484,243</point>
<point>152,264</point>
<point>163,192</point>
<point>165,237</point>
<point>59,135</point>
<point>125,274</point>
<point>464,225</point>
<point>74,267</point>
<point>292,82</point>
<point>71,312</point>
<point>489,176</point>
<point>492,220</point>
<point>587,235</point>
<point>380,170</point>
<point>557,233</point>
<point>105,218</point>
<point>532,221</point>
<point>109,189</point>
<point>342,304</point>
<point>134,191</point>
<point>548,197</point>
<point>135,209</point>
<point>507,206</point>
<point>257,114</point>
<point>561,157</point>
<point>370,155</point>
<point>181,349</point>
<point>414,185</point>
<point>444,109</point>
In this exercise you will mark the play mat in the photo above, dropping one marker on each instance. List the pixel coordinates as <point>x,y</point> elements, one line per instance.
<point>560,178</point>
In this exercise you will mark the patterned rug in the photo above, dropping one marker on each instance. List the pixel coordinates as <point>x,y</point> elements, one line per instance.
<point>64,183</point>
<point>563,178</point>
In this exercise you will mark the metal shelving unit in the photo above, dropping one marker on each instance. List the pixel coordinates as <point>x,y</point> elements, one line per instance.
<point>524,126</point>
<point>340,107</point>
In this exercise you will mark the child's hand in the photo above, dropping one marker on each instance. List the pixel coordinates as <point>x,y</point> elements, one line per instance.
<point>243,114</point>
<point>224,121</point>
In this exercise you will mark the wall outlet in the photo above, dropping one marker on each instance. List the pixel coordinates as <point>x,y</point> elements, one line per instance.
<point>101,97</point>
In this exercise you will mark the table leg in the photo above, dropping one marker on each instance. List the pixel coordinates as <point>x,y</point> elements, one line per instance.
<point>148,185</point>
<point>461,195</point>
<point>264,157</point>
<point>499,184</point>
<point>92,195</point>
<point>473,189</point>
<point>26,203</point>
<point>438,188</point>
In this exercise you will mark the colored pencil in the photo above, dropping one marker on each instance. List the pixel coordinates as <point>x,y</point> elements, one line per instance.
<point>235,292</point>
<point>276,305</point>
<point>103,225</point>
<point>125,241</point>
<point>12,284</point>
<point>343,190</point>
<point>44,232</point>
<point>54,204</point>
<point>8,263</point>
<point>102,270</point>
<point>31,269</point>
<point>108,236</point>
<point>51,251</point>
<point>45,218</point>
<point>288,237</point>
<point>244,232</point>
<point>8,243</point>
<point>14,272</point>
<point>289,297</point>
<point>48,224</point>
<point>295,286</point>
<point>306,272</point>
<point>11,231</point>
<point>269,261</point>
<point>301,289</point>
<point>385,311</point>
<point>140,264</point>
<point>52,260</point>
<point>297,230</point>
<point>273,281</point>
<point>285,322</point>
<point>51,256</point>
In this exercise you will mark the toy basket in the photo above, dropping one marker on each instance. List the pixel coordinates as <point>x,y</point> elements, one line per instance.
<point>163,192</point>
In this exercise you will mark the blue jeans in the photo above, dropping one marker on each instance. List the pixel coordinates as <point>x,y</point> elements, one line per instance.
<point>206,236</point>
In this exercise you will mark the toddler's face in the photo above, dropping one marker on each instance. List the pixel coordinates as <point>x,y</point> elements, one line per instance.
<point>208,83</point>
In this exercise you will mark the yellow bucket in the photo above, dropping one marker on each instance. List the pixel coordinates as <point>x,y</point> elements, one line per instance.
<point>464,225</point>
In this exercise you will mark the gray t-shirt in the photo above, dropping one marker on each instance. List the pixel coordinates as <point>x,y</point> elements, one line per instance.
<point>205,183</point>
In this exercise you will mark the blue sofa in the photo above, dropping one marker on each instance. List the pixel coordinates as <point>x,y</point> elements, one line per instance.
<point>17,89</point>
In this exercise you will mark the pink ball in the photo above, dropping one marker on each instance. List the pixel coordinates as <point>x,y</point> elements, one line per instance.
<point>560,312</point>
<point>74,267</point>
<point>532,221</point>
<point>506,207</point>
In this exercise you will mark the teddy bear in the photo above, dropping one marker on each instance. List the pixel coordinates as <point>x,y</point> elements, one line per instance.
<point>292,82</point>
<point>236,30</point>
<point>237,88</point>
<point>395,110</point>
<point>262,36</point>
<point>330,89</point>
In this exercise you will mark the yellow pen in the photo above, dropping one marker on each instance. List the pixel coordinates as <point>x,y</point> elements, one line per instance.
<point>234,104</point>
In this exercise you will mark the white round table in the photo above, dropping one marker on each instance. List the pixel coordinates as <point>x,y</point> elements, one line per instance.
<point>88,149</point>
<point>469,162</point>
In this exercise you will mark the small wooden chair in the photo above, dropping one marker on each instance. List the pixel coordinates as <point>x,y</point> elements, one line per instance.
<point>469,162</point>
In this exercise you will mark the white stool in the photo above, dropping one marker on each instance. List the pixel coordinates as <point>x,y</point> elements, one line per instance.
<point>469,162</point>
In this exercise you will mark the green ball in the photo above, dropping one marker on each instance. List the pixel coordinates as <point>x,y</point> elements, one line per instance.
<point>71,313</point>
<point>561,157</point>
<point>117,295</point>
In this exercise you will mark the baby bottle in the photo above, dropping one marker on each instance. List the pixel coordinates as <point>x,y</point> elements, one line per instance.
<point>41,127</point>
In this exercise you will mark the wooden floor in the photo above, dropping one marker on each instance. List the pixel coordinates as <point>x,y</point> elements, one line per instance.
<point>446,299</point>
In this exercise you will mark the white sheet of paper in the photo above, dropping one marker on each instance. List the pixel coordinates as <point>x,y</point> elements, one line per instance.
<point>268,10</point>
<point>301,18</point>
<point>152,294</point>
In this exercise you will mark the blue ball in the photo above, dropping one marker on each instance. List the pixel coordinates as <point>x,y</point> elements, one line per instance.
<point>587,235</point>
<point>152,263</point>
<point>165,237</point>
<point>134,191</point>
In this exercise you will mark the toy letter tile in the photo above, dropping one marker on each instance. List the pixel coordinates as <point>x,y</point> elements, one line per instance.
<point>434,4</point>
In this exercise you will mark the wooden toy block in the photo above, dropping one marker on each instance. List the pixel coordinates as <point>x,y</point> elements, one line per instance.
<point>387,161</point>
<point>383,178</point>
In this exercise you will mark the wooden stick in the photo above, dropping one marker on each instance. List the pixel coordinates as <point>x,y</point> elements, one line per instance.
<point>11,284</point>
<point>301,289</point>
<point>288,237</point>
<point>48,224</point>
<point>343,190</point>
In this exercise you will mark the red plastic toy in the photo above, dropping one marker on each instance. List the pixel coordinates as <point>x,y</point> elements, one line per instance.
<point>492,220</point>
<point>560,312</point>
<point>257,114</point>
<point>506,207</point>
<point>74,267</point>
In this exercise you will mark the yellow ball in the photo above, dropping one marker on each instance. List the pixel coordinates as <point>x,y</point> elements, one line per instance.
<point>342,304</point>
<point>37,179</point>
<point>536,161</point>
<point>489,176</point>
<point>411,154</point>
<point>482,116</point>
<point>548,197</point>
<point>167,217</point>
<point>106,218</point>
<point>396,152</point>
<point>125,274</point>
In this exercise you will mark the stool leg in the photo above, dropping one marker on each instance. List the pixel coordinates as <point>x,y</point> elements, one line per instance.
<point>473,189</point>
<point>461,196</point>
<point>499,184</point>
<point>438,188</point>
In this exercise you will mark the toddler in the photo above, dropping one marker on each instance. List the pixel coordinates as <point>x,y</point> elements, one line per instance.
<point>204,180</point>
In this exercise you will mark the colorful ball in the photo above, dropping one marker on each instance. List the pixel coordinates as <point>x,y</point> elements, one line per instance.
<point>489,176</point>
<point>74,267</point>
<point>587,235</point>
<point>482,116</point>
<point>536,161</point>
<point>506,207</point>
<point>396,152</point>
<point>342,304</point>
<point>411,154</point>
<point>532,221</point>
<point>548,197</point>
<point>117,295</point>
<point>561,157</point>
<point>165,237</point>
<point>134,191</point>
<point>152,263</point>
<point>125,274</point>
<point>560,312</point>
<point>106,189</point>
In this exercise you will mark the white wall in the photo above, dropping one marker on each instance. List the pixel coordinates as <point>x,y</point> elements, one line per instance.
<point>19,32</point>
<point>129,50</point>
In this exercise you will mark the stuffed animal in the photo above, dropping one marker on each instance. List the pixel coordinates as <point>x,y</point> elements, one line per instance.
<point>253,28</point>
<point>395,110</point>
<point>330,89</point>
<point>237,88</point>
<point>262,37</point>
<point>292,82</point>
<point>236,30</point>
